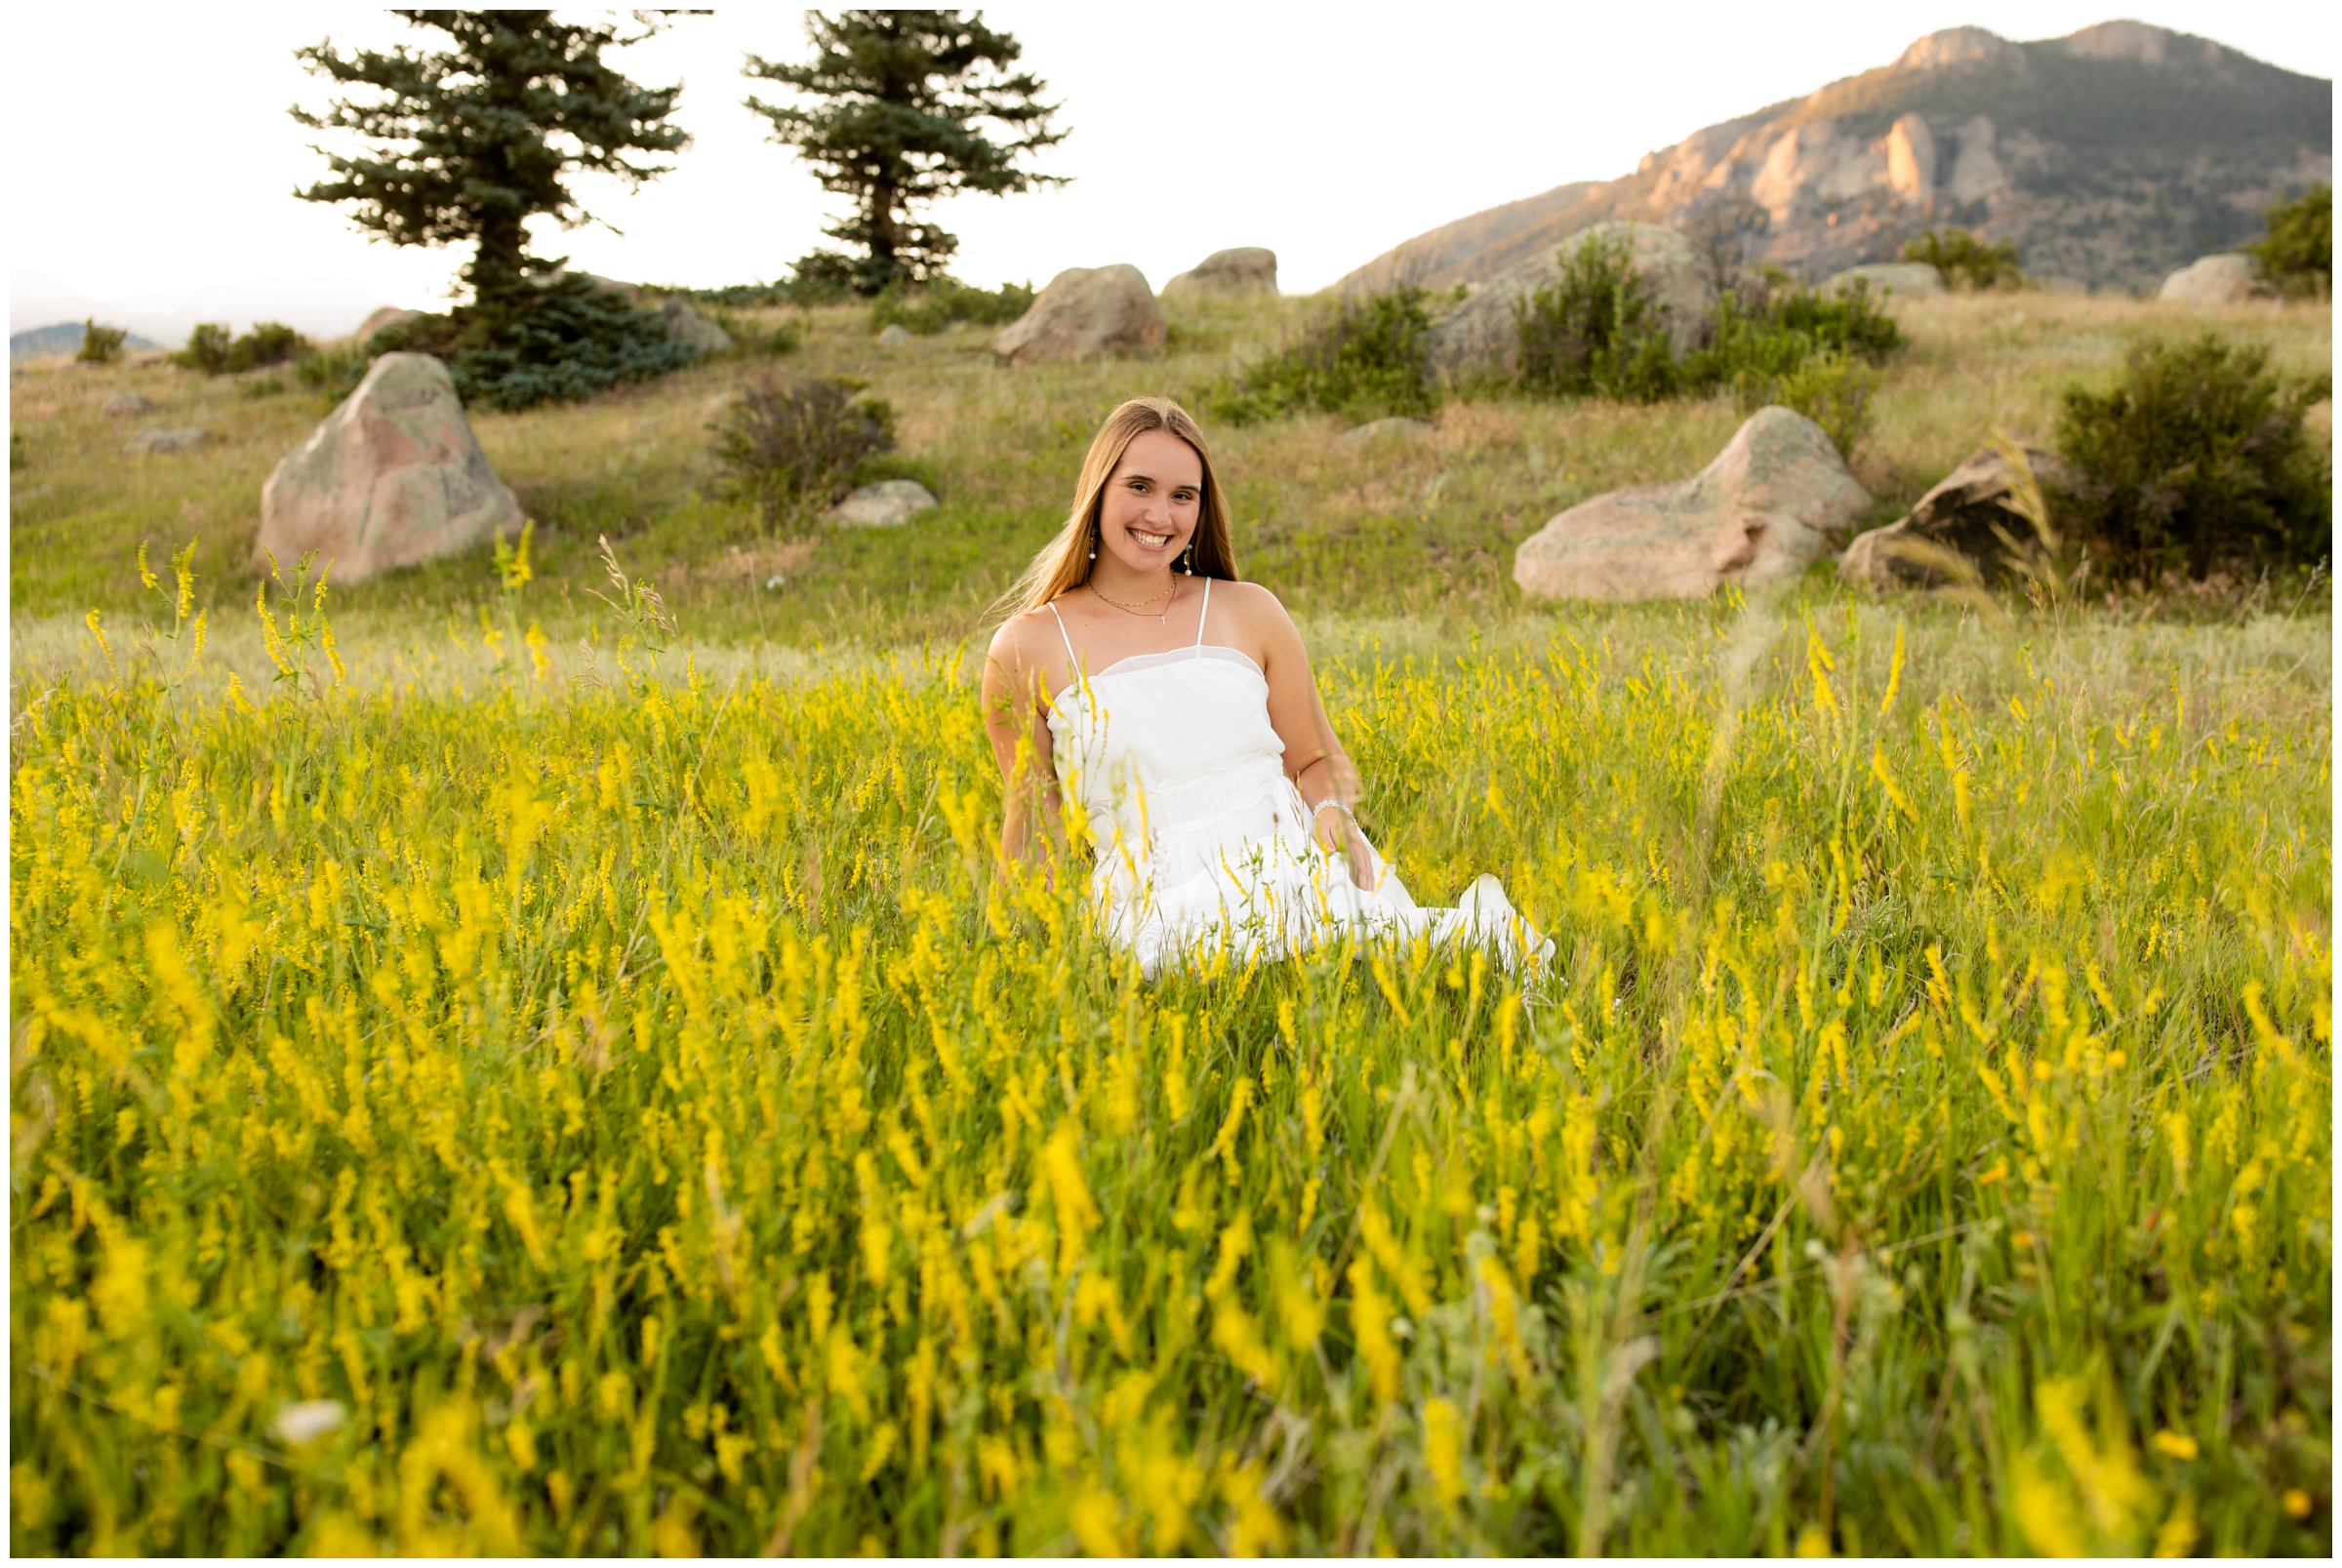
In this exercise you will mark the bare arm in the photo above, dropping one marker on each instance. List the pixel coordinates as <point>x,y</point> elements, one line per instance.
<point>1015,708</point>
<point>1314,756</point>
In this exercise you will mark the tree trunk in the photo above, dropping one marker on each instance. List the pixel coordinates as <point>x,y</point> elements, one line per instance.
<point>884,268</point>
<point>499,268</point>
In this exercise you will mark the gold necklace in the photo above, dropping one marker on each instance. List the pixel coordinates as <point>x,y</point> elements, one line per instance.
<point>1140,608</point>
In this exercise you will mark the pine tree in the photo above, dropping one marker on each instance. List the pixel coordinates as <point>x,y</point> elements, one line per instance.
<point>900,94</point>
<point>472,142</point>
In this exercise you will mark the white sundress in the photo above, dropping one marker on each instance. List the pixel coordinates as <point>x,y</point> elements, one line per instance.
<point>1201,841</point>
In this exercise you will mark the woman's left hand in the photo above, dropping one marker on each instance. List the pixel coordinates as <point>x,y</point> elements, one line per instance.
<point>1338,832</point>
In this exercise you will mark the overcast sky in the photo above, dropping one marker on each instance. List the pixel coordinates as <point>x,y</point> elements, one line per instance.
<point>151,153</point>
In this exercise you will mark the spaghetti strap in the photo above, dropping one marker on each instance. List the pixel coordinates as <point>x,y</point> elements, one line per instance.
<point>1073,663</point>
<point>1205,613</point>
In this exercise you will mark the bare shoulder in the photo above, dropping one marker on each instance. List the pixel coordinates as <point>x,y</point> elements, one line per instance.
<point>1013,647</point>
<point>1256,618</point>
<point>1251,605</point>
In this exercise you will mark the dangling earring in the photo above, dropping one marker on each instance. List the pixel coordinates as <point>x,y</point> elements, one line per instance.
<point>1187,559</point>
<point>1093,547</point>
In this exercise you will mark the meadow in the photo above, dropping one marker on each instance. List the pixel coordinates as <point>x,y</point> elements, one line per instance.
<point>511,1077</point>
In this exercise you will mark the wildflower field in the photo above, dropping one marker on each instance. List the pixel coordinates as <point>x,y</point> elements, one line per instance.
<point>647,1116</point>
<point>530,1080</point>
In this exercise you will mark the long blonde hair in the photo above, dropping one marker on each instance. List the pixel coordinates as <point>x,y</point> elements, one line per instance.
<point>1064,562</point>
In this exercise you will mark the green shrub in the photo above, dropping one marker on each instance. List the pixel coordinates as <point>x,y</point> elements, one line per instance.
<point>944,301</point>
<point>791,447</point>
<point>333,372</point>
<point>1963,258</point>
<point>1364,360</point>
<point>1595,332</point>
<point>2196,461</point>
<point>270,342</point>
<point>207,349</point>
<point>2298,254</point>
<point>1833,388</point>
<point>212,350</point>
<point>100,345</point>
<point>819,277</point>
<point>1595,329</point>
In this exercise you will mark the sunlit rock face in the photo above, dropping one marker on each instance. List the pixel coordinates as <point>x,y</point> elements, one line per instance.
<point>2110,157</point>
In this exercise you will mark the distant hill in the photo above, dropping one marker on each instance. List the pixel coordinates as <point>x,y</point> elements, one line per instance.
<point>63,338</point>
<point>2110,158</point>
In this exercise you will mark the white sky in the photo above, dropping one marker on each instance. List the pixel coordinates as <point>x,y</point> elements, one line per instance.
<point>149,150</point>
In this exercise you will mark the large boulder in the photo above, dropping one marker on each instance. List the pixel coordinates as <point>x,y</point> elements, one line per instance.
<point>1479,333</point>
<point>685,325</point>
<point>390,479</point>
<point>2228,279</point>
<point>1085,314</point>
<point>1246,269</point>
<point>1906,280</point>
<point>1958,515</point>
<point>1774,499</point>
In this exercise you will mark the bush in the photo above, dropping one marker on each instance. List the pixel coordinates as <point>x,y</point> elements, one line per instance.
<point>2299,255</point>
<point>791,448</point>
<point>212,350</point>
<point>1833,388</point>
<point>1595,329</point>
<point>1963,258</point>
<point>2196,461</point>
<point>820,277</point>
<point>100,345</point>
<point>944,301</point>
<point>1363,361</point>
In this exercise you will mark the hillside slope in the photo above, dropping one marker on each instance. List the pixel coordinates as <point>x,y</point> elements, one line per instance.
<point>2110,156</point>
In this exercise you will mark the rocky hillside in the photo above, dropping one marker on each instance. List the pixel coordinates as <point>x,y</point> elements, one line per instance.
<point>2110,158</point>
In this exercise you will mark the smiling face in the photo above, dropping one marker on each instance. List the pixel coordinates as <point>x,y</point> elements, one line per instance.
<point>1148,509</point>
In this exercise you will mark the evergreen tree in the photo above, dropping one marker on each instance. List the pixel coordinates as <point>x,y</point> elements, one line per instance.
<point>470,141</point>
<point>899,98</point>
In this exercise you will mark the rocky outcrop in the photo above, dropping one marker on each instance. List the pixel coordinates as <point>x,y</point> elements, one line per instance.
<point>1906,280</point>
<point>388,315</point>
<point>1777,497</point>
<point>125,403</point>
<point>1399,429</point>
<point>1958,515</point>
<point>2229,279</point>
<point>888,504</point>
<point>893,336</point>
<point>390,479</point>
<point>1246,269</point>
<point>1085,314</point>
<point>163,443</point>
<point>684,325</point>
<point>1479,333</point>
<point>1911,160</point>
<point>2108,158</point>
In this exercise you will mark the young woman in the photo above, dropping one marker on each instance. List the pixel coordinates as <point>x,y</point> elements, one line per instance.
<point>1172,706</point>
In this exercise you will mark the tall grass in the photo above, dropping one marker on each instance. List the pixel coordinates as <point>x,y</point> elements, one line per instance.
<point>640,1116</point>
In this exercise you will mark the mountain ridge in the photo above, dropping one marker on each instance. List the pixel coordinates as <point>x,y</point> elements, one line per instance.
<point>2111,156</point>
